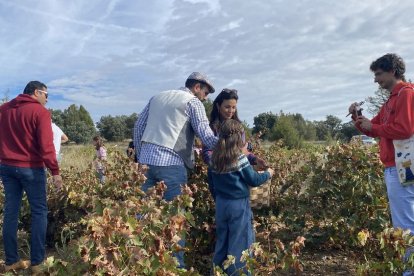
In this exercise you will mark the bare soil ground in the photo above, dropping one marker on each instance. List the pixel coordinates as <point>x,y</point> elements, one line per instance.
<point>329,262</point>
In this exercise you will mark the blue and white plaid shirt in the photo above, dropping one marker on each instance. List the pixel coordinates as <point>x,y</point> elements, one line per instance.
<point>152,154</point>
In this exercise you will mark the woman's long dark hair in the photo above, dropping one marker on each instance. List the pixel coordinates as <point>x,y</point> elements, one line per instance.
<point>225,94</point>
<point>229,146</point>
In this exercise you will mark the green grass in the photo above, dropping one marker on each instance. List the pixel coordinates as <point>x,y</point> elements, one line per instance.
<point>81,156</point>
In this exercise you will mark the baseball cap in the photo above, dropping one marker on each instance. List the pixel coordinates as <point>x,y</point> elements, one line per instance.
<point>201,78</point>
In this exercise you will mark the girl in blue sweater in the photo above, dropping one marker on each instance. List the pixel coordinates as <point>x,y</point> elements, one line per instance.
<point>231,175</point>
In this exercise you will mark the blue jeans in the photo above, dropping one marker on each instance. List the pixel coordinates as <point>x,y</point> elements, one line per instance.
<point>401,200</point>
<point>174,177</point>
<point>234,231</point>
<point>101,176</point>
<point>33,182</point>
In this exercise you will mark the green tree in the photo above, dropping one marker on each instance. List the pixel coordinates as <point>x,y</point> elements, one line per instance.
<point>57,117</point>
<point>117,128</point>
<point>79,132</point>
<point>78,124</point>
<point>348,130</point>
<point>309,132</point>
<point>305,128</point>
<point>285,129</point>
<point>264,122</point>
<point>322,130</point>
<point>328,129</point>
<point>113,128</point>
<point>85,116</point>
<point>130,123</point>
<point>334,124</point>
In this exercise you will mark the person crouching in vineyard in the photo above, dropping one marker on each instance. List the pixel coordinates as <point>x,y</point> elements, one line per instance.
<point>231,175</point>
<point>100,156</point>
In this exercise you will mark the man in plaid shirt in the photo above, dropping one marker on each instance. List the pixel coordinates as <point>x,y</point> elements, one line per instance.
<point>164,135</point>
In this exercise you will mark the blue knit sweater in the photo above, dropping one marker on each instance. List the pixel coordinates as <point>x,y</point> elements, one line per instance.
<point>234,184</point>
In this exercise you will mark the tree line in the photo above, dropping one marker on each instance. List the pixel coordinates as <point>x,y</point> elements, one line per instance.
<point>77,124</point>
<point>294,129</point>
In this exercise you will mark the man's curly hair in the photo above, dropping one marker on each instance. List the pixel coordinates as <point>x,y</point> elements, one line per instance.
<point>389,63</point>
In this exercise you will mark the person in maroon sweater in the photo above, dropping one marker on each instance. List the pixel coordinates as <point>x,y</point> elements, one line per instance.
<point>26,147</point>
<point>395,121</point>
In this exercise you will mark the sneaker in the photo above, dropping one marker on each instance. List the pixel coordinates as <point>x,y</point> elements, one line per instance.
<point>18,265</point>
<point>37,270</point>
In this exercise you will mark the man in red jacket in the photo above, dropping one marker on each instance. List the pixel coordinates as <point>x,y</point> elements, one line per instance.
<point>395,121</point>
<point>26,147</point>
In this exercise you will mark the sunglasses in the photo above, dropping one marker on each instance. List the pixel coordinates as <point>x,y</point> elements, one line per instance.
<point>45,92</point>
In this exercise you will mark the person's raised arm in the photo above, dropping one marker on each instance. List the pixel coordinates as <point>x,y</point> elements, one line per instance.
<point>359,119</point>
<point>254,178</point>
<point>64,138</point>
<point>200,124</point>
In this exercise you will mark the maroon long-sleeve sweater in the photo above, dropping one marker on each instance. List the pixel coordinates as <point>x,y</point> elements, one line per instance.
<point>26,138</point>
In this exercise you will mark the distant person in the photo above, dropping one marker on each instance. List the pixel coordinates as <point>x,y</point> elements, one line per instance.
<point>58,138</point>
<point>131,151</point>
<point>26,147</point>
<point>99,158</point>
<point>164,135</point>
<point>131,154</point>
<point>231,175</point>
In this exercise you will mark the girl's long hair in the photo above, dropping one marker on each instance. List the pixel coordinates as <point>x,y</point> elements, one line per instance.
<point>229,146</point>
<point>99,142</point>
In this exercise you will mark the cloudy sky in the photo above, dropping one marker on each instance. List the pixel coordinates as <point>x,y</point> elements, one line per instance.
<point>308,57</point>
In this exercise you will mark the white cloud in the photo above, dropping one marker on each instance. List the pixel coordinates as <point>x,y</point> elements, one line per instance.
<point>231,25</point>
<point>213,5</point>
<point>308,57</point>
<point>235,82</point>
